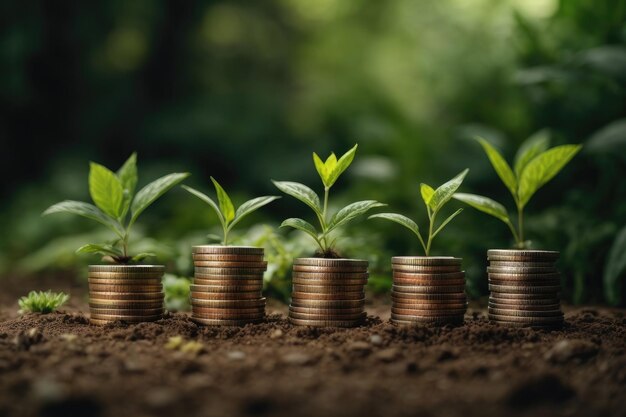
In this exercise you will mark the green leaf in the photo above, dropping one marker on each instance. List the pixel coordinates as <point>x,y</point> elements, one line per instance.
<point>207,200</point>
<point>127,175</point>
<point>302,193</point>
<point>444,193</point>
<point>502,168</point>
<point>106,190</point>
<point>350,212</point>
<point>85,210</point>
<point>610,138</point>
<point>484,204</point>
<point>141,256</point>
<point>615,269</point>
<point>400,219</point>
<point>226,206</point>
<point>341,165</point>
<point>251,206</point>
<point>533,146</point>
<point>101,249</point>
<point>302,225</point>
<point>151,192</point>
<point>446,221</point>
<point>542,169</point>
<point>427,193</point>
<point>324,169</point>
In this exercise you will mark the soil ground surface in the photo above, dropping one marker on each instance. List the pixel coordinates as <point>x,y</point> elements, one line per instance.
<point>59,365</point>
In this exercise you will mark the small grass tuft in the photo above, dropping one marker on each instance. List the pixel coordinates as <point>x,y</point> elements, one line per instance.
<point>42,302</point>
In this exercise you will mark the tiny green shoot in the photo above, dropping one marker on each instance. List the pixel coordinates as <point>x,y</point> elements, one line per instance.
<point>225,209</point>
<point>329,171</point>
<point>117,207</point>
<point>42,302</point>
<point>534,166</point>
<point>434,200</point>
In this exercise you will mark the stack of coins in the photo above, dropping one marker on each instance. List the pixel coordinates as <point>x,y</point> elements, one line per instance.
<point>125,293</point>
<point>328,292</point>
<point>524,287</point>
<point>227,285</point>
<point>427,290</point>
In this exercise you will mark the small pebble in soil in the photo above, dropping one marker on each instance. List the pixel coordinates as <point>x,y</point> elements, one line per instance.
<point>276,334</point>
<point>359,347</point>
<point>236,355</point>
<point>25,339</point>
<point>376,339</point>
<point>298,359</point>
<point>575,350</point>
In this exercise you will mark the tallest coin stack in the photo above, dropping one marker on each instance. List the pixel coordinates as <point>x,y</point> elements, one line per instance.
<point>524,287</point>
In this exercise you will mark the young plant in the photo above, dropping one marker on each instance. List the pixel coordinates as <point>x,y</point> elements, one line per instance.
<point>329,171</point>
<point>434,201</point>
<point>534,166</point>
<point>226,211</point>
<point>117,206</point>
<point>42,302</point>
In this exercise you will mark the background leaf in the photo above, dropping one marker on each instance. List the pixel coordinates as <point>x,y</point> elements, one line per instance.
<point>533,146</point>
<point>85,210</point>
<point>226,205</point>
<point>301,225</point>
<point>610,138</point>
<point>141,256</point>
<point>615,269</point>
<point>106,190</point>
<point>151,192</point>
<point>207,200</point>
<point>400,219</point>
<point>484,204</point>
<point>252,205</point>
<point>444,193</point>
<point>342,164</point>
<point>500,165</point>
<point>302,193</point>
<point>543,168</point>
<point>427,193</point>
<point>101,249</point>
<point>350,212</point>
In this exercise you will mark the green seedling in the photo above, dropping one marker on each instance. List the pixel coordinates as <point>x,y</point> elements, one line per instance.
<point>329,171</point>
<point>434,200</point>
<point>42,302</point>
<point>226,211</point>
<point>176,291</point>
<point>117,207</point>
<point>534,166</point>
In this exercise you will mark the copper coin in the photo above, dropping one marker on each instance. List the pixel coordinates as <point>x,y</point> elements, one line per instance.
<point>429,306</point>
<point>438,276</point>
<point>427,313</point>
<point>522,302</point>
<point>155,269</point>
<point>525,289</point>
<point>226,257</point>
<point>230,277</point>
<point>93,302</point>
<point>224,322</point>
<point>123,288</point>
<point>426,282</point>
<point>327,303</point>
<point>332,263</point>
<point>525,307</point>
<point>219,316</point>
<point>535,326</point>
<point>231,264</point>
<point>517,296</point>
<point>118,296</point>
<point>428,289</point>
<point>521,270</point>
<point>414,269</point>
<point>253,295</point>
<point>329,276</point>
<point>200,270</point>
<point>324,316</point>
<point>427,319</point>
<point>104,321</point>
<point>309,281</point>
<point>431,297</point>
<point>127,311</point>
<point>228,250</point>
<point>522,255</point>
<point>327,289</point>
<point>324,269</point>
<point>117,276</point>
<point>526,277</point>
<point>443,322</point>
<point>199,302</point>
<point>524,313</point>
<point>326,323</point>
<point>226,288</point>
<point>528,320</point>
<point>226,310</point>
<point>318,296</point>
<point>514,264</point>
<point>535,283</point>
<point>137,282</point>
<point>426,260</point>
<point>326,310</point>
<point>122,317</point>
<point>200,281</point>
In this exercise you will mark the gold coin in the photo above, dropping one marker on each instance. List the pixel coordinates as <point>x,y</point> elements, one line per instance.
<point>359,295</point>
<point>201,270</point>
<point>522,255</point>
<point>327,303</point>
<point>155,269</point>
<point>332,263</point>
<point>227,250</point>
<point>199,302</point>
<point>231,264</point>
<point>426,260</point>
<point>525,289</point>
<point>327,289</point>
<point>226,288</point>
<point>138,282</point>
<point>224,322</point>
<point>329,276</point>
<point>428,312</point>
<point>227,257</point>
<point>253,295</point>
<point>326,323</point>
<point>119,296</point>
<point>123,288</point>
<point>126,275</point>
<point>428,289</point>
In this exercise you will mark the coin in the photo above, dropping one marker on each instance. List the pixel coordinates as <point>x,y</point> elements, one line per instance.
<point>226,288</point>
<point>521,270</point>
<point>427,319</point>
<point>327,303</point>
<point>228,250</point>
<point>326,323</point>
<point>359,295</point>
<point>327,289</point>
<point>524,313</point>
<point>200,281</point>
<point>228,303</point>
<point>352,263</point>
<point>524,303</point>
<point>525,289</point>
<point>224,322</point>
<point>528,320</point>
<point>329,276</point>
<point>118,296</point>
<point>105,321</point>
<point>155,269</point>
<point>227,257</point>
<point>104,303</point>
<point>426,282</point>
<point>126,275</point>
<point>310,281</point>
<point>123,288</point>
<point>427,312</point>
<point>426,260</point>
<point>423,322</point>
<point>442,276</point>
<point>529,308</point>
<point>514,264</point>
<point>328,269</point>
<point>231,264</point>
<point>128,311</point>
<point>230,277</point>
<point>521,255</point>
<point>525,277</point>
<point>428,289</point>
<point>212,313</point>
<point>202,270</point>
<point>249,317</point>
<point>121,317</point>
<point>414,269</point>
<point>517,283</point>
<point>323,316</point>
<point>326,310</point>
<point>421,305</point>
<point>227,296</point>
<point>512,296</point>
<point>137,282</point>
<point>430,297</point>
<point>543,326</point>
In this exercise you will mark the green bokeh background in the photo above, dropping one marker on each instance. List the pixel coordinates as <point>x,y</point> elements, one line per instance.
<point>245,91</point>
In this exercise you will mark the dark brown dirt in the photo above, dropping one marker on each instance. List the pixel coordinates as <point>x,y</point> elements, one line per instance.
<point>59,365</point>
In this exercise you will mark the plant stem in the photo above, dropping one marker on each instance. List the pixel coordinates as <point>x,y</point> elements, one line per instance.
<point>324,210</point>
<point>520,227</point>
<point>430,232</point>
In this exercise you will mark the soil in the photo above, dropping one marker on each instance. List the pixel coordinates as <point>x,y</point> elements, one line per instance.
<point>59,365</point>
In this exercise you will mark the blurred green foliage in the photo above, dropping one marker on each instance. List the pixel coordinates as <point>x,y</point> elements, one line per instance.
<point>246,91</point>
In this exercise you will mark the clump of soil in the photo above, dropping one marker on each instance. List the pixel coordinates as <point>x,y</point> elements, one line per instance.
<point>59,365</point>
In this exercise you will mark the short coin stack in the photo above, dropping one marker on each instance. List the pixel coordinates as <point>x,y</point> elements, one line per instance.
<point>227,286</point>
<point>524,287</point>
<point>427,290</point>
<point>328,292</point>
<point>125,293</point>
